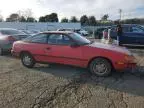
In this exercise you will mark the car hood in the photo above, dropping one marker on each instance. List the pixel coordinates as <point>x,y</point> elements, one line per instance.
<point>110,47</point>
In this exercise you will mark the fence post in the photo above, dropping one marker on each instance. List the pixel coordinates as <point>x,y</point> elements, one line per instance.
<point>109,31</point>
<point>93,33</point>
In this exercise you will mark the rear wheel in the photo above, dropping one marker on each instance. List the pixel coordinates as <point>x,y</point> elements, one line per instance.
<point>27,60</point>
<point>100,67</point>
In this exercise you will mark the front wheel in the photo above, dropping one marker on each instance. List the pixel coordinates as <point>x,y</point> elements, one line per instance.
<point>27,60</point>
<point>100,67</point>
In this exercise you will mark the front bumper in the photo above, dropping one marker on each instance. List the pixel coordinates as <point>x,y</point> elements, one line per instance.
<point>129,62</point>
<point>14,53</point>
<point>124,66</point>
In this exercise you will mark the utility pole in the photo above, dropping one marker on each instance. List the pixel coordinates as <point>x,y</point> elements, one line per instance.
<point>120,13</point>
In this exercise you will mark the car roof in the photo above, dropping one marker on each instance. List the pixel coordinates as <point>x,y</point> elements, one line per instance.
<point>59,32</point>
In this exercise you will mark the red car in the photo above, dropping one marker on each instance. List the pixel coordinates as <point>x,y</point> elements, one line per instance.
<point>72,49</point>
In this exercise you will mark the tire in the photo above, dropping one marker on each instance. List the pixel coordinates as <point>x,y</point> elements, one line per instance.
<point>100,67</point>
<point>27,60</point>
<point>1,51</point>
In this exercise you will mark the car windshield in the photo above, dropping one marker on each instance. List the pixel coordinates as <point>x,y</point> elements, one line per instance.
<point>11,32</point>
<point>80,39</point>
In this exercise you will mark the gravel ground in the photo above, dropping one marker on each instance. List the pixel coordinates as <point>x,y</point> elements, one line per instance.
<point>59,86</point>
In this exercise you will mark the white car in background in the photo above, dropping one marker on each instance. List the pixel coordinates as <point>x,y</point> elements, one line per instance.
<point>83,32</point>
<point>79,31</point>
<point>30,32</point>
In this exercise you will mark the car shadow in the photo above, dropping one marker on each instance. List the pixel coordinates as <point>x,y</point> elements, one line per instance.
<point>59,70</point>
<point>127,82</point>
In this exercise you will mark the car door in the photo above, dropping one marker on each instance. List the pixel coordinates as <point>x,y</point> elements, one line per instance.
<point>60,51</point>
<point>134,36</point>
<point>138,33</point>
<point>37,46</point>
<point>126,37</point>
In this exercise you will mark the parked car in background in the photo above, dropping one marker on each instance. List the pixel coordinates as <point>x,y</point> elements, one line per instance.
<point>79,31</point>
<point>82,32</point>
<point>30,32</point>
<point>132,34</point>
<point>8,36</point>
<point>34,31</point>
<point>72,49</point>
<point>99,32</point>
<point>67,29</point>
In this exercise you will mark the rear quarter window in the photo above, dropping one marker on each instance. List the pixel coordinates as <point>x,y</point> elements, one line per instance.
<point>39,38</point>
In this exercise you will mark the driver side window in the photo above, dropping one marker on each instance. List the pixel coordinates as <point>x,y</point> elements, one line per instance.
<point>59,39</point>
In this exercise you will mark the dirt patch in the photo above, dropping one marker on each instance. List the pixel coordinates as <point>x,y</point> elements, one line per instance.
<point>58,86</point>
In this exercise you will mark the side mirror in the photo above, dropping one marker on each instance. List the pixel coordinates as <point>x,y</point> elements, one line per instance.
<point>74,45</point>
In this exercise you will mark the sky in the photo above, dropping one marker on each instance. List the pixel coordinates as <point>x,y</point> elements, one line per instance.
<point>68,8</point>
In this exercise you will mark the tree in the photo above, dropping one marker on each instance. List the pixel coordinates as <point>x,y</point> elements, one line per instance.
<point>22,19</point>
<point>13,17</point>
<point>133,21</point>
<point>20,13</point>
<point>64,20</point>
<point>105,17</point>
<point>27,13</point>
<point>92,21</point>
<point>1,18</point>
<point>31,19</point>
<point>73,19</point>
<point>42,19</point>
<point>53,17</point>
<point>84,20</point>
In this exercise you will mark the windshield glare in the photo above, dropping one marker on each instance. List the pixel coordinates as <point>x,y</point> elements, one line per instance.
<point>80,39</point>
